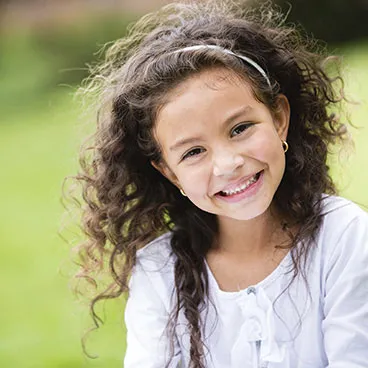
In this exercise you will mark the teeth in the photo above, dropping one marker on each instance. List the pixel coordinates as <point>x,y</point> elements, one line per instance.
<point>241,188</point>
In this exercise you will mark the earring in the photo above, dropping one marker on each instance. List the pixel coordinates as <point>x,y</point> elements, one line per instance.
<point>285,146</point>
<point>182,192</point>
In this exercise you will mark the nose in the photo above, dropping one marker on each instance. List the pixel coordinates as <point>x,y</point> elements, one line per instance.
<point>226,161</point>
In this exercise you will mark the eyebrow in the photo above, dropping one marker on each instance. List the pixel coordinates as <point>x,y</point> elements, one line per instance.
<point>235,115</point>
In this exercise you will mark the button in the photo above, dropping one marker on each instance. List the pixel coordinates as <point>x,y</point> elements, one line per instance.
<point>251,290</point>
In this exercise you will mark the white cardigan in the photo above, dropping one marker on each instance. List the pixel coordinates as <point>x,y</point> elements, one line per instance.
<point>268,324</point>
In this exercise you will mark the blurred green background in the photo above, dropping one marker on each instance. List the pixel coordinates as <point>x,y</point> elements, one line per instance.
<point>44,47</point>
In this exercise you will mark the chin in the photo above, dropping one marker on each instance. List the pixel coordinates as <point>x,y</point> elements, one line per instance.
<point>249,211</point>
<point>246,216</point>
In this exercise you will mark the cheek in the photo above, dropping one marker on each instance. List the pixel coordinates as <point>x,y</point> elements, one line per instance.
<point>194,180</point>
<point>266,148</point>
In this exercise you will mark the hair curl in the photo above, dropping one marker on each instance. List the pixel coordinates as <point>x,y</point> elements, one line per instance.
<point>128,202</point>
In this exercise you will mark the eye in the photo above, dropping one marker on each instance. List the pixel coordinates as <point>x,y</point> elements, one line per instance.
<point>240,128</point>
<point>193,152</point>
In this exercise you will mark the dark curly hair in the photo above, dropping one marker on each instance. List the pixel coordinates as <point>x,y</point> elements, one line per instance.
<point>128,202</point>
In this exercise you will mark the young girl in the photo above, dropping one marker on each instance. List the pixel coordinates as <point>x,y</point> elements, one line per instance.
<point>209,192</point>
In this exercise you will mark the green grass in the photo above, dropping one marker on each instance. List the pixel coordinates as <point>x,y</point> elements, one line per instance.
<point>41,322</point>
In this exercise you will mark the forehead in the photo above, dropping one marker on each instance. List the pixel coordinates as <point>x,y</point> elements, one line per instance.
<point>216,79</point>
<point>212,92</point>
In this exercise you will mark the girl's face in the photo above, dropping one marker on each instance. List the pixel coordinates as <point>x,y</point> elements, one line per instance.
<point>222,146</point>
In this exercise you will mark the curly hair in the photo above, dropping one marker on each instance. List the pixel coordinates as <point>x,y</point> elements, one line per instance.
<point>128,202</point>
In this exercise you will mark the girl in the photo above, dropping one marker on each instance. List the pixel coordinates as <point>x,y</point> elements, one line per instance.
<point>208,191</point>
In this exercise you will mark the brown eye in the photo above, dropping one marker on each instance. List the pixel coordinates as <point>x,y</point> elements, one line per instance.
<point>193,152</point>
<point>240,129</point>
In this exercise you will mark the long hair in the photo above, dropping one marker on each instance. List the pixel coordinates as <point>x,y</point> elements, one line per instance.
<point>128,202</point>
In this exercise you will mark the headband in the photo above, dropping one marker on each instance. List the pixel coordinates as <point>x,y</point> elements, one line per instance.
<point>229,52</point>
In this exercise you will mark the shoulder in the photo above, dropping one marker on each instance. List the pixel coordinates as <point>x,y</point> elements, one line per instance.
<point>338,205</point>
<point>344,230</point>
<point>153,273</point>
<point>339,214</point>
<point>157,254</point>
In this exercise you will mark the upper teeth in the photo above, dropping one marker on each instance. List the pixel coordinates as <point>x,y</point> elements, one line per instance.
<point>241,187</point>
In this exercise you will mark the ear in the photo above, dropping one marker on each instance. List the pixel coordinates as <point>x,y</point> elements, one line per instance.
<point>282,116</point>
<point>166,172</point>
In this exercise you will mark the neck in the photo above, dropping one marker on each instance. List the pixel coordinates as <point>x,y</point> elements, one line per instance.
<point>250,237</point>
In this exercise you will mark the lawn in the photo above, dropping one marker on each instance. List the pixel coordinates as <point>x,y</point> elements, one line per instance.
<point>41,320</point>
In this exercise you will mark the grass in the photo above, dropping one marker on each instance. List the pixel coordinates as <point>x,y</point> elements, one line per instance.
<point>41,322</point>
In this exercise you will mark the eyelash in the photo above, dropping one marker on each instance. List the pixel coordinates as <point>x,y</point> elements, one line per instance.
<point>241,125</point>
<point>190,153</point>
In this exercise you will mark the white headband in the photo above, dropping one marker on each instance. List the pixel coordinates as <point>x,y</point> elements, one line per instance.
<point>229,52</point>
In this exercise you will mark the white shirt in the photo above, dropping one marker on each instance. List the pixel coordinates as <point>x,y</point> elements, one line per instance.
<point>324,324</point>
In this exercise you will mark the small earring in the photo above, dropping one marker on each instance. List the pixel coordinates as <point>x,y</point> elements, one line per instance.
<point>182,192</point>
<point>285,146</point>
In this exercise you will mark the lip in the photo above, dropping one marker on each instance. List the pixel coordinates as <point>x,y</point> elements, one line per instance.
<point>238,183</point>
<point>249,192</point>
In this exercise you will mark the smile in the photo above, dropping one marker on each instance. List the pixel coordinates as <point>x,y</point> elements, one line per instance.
<point>242,188</point>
